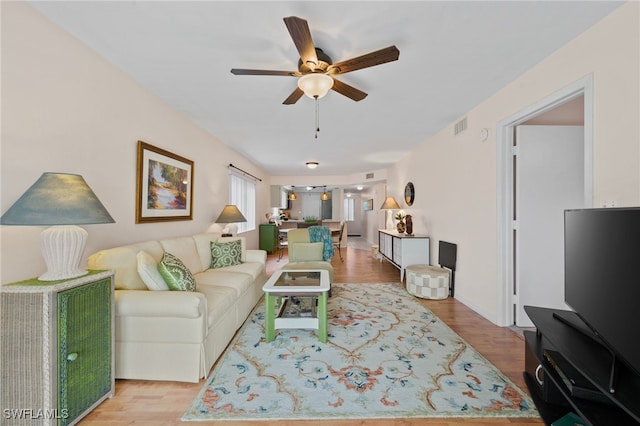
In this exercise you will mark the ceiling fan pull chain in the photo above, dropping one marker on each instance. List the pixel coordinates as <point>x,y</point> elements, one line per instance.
<point>317,116</point>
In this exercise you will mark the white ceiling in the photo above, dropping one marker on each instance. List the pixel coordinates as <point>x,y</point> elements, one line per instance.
<point>453,56</point>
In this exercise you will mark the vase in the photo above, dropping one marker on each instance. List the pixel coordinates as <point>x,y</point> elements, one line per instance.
<point>409,226</point>
<point>400,227</point>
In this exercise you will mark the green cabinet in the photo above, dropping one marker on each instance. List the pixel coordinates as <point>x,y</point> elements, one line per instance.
<point>268,237</point>
<point>57,348</point>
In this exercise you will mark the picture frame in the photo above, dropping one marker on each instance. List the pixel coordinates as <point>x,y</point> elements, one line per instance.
<point>164,185</point>
<point>367,204</point>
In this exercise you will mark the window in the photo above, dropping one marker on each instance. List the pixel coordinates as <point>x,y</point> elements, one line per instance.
<point>349,209</point>
<point>242,193</point>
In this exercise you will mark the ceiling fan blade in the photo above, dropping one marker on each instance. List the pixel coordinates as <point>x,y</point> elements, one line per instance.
<point>382,56</point>
<point>348,91</point>
<point>240,71</point>
<point>293,97</point>
<point>299,31</point>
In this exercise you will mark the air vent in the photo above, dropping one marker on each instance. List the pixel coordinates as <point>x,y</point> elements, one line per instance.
<point>369,176</point>
<point>460,126</point>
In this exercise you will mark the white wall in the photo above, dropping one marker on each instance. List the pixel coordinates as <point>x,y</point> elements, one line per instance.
<point>455,177</point>
<point>65,109</point>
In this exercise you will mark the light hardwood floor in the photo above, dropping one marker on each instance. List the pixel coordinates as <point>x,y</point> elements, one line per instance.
<point>163,403</point>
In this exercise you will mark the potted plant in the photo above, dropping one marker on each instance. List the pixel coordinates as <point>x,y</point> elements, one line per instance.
<point>401,225</point>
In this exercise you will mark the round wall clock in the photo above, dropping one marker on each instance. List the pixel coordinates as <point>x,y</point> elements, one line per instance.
<point>409,193</point>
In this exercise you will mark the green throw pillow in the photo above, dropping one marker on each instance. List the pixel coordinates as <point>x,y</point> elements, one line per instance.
<point>177,276</point>
<point>225,254</point>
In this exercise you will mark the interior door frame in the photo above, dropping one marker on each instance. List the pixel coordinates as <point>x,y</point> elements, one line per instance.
<point>505,174</point>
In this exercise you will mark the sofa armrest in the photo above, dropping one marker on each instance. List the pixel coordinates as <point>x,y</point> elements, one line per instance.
<point>259,256</point>
<point>175,304</point>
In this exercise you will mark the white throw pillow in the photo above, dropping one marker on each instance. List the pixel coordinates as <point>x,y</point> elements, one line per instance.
<point>148,271</point>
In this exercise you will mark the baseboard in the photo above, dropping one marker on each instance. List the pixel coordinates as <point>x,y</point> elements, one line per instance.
<point>477,309</point>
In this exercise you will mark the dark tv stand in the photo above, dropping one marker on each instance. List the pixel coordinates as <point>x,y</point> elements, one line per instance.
<point>591,360</point>
<point>569,318</point>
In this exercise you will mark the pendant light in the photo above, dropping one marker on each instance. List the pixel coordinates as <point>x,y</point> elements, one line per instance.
<point>325,195</point>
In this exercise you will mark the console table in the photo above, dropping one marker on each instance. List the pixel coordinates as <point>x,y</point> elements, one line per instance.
<point>403,250</point>
<point>552,397</point>
<point>57,348</point>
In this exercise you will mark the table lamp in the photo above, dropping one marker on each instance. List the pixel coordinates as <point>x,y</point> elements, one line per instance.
<point>389,204</point>
<point>230,214</point>
<point>62,201</point>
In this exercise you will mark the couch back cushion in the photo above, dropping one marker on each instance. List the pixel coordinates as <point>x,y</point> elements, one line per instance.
<point>298,236</point>
<point>184,248</point>
<point>305,252</point>
<point>203,245</point>
<point>123,261</point>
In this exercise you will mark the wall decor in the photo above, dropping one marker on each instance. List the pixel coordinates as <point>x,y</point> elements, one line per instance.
<point>409,193</point>
<point>367,204</point>
<point>164,185</point>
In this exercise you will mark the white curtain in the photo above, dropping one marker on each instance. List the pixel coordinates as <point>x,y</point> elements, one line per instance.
<point>242,193</point>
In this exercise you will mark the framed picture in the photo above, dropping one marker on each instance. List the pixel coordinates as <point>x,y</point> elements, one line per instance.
<point>367,204</point>
<point>164,185</point>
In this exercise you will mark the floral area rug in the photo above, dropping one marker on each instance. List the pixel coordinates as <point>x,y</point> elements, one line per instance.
<point>386,356</point>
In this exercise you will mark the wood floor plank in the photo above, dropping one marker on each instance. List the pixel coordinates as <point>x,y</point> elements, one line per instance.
<point>155,403</point>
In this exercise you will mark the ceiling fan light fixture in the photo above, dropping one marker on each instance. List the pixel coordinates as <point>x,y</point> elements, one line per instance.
<point>315,85</point>
<point>312,164</point>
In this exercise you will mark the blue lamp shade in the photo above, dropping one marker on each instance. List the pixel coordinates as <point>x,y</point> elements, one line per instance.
<point>62,201</point>
<point>57,199</point>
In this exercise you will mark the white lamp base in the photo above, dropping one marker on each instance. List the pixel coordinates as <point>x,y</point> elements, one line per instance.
<point>390,224</point>
<point>62,248</point>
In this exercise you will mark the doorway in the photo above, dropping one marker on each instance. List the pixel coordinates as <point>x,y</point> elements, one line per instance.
<point>548,178</point>
<point>508,258</point>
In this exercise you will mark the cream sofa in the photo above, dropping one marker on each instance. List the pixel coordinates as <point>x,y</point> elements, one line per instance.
<point>178,335</point>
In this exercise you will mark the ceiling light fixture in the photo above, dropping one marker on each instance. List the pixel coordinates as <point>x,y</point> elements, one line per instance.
<point>312,164</point>
<point>325,195</point>
<point>315,86</point>
<point>292,194</point>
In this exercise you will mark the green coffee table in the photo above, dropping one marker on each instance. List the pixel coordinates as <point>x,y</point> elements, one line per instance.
<point>284,285</point>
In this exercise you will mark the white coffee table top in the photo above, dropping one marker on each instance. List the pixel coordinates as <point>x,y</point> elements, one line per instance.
<point>298,281</point>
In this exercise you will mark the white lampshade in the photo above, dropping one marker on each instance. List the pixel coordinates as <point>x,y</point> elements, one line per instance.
<point>315,85</point>
<point>389,204</point>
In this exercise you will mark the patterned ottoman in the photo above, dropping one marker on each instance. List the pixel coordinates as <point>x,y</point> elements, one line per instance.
<point>428,282</point>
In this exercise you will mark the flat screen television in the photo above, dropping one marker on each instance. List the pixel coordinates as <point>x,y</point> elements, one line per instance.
<point>602,276</point>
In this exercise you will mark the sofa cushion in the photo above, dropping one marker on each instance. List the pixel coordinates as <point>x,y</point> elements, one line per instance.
<point>243,245</point>
<point>122,260</point>
<point>221,277</point>
<point>148,270</point>
<point>184,248</point>
<point>176,274</point>
<point>203,245</point>
<point>252,268</point>
<point>219,300</point>
<point>225,254</point>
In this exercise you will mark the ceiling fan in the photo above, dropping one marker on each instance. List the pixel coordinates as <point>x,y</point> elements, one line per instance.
<point>316,71</point>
